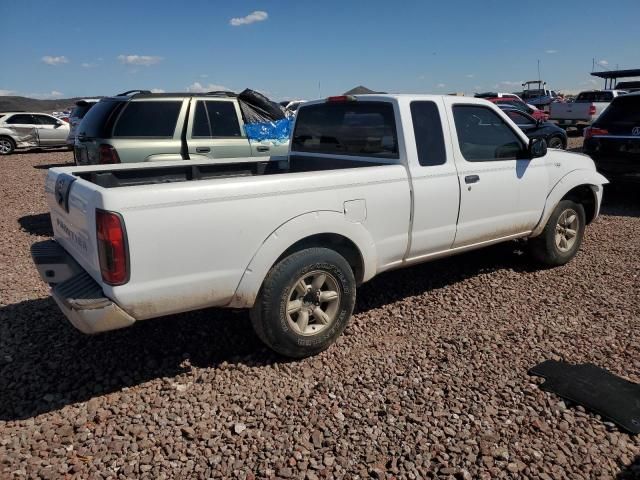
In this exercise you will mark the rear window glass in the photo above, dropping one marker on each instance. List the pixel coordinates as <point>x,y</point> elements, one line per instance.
<point>589,97</point>
<point>148,119</point>
<point>80,111</point>
<point>97,121</point>
<point>364,129</point>
<point>215,119</point>
<point>427,128</point>
<point>623,111</point>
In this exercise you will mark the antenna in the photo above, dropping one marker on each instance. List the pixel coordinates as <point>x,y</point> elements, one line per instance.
<point>539,79</point>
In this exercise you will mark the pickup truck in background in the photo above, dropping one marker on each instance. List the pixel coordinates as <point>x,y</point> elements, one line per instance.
<point>584,110</point>
<point>371,183</point>
<point>141,126</point>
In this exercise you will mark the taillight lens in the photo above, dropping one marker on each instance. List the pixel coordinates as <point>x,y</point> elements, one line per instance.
<point>592,109</point>
<point>112,247</point>
<point>592,131</point>
<point>108,154</point>
<point>341,99</point>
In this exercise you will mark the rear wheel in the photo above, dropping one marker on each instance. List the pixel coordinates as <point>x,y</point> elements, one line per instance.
<point>556,142</point>
<point>7,146</point>
<point>305,302</point>
<point>562,235</point>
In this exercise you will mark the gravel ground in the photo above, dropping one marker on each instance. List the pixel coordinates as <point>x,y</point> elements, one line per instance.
<point>429,381</point>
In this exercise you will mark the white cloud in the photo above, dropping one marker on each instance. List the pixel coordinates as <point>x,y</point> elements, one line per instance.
<point>197,87</point>
<point>602,63</point>
<point>253,17</point>
<point>144,60</point>
<point>157,90</point>
<point>55,60</point>
<point>441,85</point>
<point>204,75</point>
<point>507,84</point>
<point>470,75</point>
<point>4,93</point>
<point>551,51</point>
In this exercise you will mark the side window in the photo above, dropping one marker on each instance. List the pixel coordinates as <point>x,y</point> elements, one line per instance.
<point>20,119</point>
<point>201,127</point>
<point>483,136</point>
<point>518,118</point>
<point>154,119</point>
<point>45,120</point>
<point>427,128</point>
<point>215,119</point>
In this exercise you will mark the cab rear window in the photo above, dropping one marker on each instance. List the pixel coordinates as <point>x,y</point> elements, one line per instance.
<point>148,119</point>
<point>589,97</point>
<point>365,129</point>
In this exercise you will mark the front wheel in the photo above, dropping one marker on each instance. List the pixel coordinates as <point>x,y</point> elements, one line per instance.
<point>305,302</point>
<point>7,146</point>
<point>562,235</point>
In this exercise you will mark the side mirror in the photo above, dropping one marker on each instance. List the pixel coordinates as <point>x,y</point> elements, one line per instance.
<point>537,147</point>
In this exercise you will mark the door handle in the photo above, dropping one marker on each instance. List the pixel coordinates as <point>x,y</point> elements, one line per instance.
<point>203,149</point>
<point>472,179</point>
<point>262,148</point>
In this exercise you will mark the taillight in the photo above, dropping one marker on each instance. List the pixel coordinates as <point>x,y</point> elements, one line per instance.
<point>112,247</point>
<point>593,131</point>
<point>341,99</point>
<point>592,109</point>
<point>108,154</point>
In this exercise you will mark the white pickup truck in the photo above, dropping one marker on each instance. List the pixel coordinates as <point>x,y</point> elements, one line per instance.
<point>372,183</point>
<point>586,108</point>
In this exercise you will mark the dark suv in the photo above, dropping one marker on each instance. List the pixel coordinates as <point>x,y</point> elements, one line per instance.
<point>613,141</point>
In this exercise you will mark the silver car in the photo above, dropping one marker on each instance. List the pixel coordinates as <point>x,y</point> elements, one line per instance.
<point>141,126</point>
<point>31,130</point>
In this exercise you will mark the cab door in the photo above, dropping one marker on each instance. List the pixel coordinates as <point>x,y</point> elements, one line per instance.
<point>434,178</point>
<point>215,130</point>
<point>495,175</point>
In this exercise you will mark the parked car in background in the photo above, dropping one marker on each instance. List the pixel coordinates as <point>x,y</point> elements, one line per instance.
<point>555,136</point>
<point>584,110</point>
<point>613,141</point>
<point>520,105</point>
<point>31,130</point>
<point>293,237</point>
<point>535,92</point>
<point>141,126</point>
<point>76,116</point>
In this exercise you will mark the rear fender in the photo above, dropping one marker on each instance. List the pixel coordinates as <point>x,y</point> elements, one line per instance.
<point>294,230</point>
<point>567,183</point>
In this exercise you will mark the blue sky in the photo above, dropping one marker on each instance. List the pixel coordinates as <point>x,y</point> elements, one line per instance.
<point>305,49</point>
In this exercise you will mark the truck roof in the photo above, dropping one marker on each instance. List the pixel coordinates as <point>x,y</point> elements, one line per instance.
<point>385,97</point>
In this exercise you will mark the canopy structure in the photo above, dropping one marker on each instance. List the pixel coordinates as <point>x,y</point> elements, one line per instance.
<point>611,76</point>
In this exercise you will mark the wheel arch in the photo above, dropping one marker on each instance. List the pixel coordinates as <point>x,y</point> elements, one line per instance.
<point>326,229</point>
<point>581,186</point>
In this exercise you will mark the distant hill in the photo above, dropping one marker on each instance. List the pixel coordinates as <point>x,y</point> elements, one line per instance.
<point>12,104</point>
<point>360,90</point>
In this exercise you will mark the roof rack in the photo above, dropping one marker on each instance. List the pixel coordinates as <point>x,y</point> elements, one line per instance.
<point>129,92</point>
<point>222,93</point>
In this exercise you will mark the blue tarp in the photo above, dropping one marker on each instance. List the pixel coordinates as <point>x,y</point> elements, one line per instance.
<point>277,131</point>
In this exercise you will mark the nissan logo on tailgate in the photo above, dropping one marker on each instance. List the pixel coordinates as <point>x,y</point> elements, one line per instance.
<point>63,185</point>
<point>635,131</point>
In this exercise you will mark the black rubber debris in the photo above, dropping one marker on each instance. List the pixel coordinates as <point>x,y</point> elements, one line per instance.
<point>594,388</point>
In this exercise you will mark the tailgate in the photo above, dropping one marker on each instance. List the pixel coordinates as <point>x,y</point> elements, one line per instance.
<point>72,203</point>
<point>570,111</point>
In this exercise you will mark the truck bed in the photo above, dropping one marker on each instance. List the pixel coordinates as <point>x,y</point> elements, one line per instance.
<point>157,174</point>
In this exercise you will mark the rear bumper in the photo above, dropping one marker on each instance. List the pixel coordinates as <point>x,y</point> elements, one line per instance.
<point>78,295</point>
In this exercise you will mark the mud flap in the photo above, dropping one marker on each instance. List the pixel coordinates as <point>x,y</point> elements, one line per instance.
<point>594,388</point>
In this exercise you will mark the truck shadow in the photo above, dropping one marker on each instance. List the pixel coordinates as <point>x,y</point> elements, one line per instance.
<point>621,200</point>
<point>631,471</point>
<point>39,224</point>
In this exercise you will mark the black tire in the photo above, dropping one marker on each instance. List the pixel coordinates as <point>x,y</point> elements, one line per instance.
<point>556,142</point>
<point>7,145</point>
<point>545,247</point>
<point>278,329</point>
